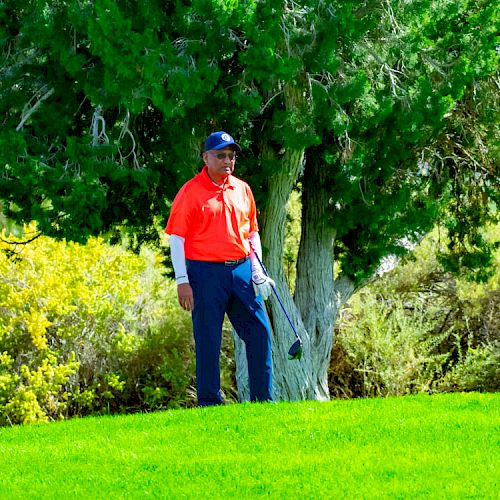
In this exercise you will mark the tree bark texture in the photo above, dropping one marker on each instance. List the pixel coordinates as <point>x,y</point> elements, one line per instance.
<point>290,377</point>
<point>318,296</point>
<point>314,287</point>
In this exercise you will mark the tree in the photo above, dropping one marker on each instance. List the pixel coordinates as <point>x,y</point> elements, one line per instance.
<point>373,110</point>
<point>372,92</point>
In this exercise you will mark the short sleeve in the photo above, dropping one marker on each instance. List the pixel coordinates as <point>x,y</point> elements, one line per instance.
<point>179,219</point>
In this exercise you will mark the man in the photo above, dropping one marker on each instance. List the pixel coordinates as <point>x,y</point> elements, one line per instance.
<point>213,236</point>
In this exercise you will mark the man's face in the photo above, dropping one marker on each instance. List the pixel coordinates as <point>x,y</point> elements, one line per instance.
<point>220,163</point>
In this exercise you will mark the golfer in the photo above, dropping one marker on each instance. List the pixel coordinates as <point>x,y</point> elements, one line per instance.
<point>212,222</point>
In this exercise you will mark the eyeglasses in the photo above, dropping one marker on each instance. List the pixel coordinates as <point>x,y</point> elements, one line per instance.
<point>223,156</point>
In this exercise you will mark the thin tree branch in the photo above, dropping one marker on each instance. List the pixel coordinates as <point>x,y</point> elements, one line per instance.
<point>26,242</point>
<point>30,111</point>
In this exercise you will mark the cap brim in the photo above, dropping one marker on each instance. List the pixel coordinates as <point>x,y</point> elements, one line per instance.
<point>223,145</point>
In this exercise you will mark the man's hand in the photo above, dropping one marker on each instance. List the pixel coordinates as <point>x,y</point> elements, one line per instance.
<point>263,283</point>
<point>185,295</point>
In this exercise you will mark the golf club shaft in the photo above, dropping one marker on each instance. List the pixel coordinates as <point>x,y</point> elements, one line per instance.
<point>277,295</point>
<point>286,314</point>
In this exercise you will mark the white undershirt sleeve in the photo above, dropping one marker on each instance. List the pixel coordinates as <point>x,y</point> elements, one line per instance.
<point>178,258</point>
<point>254,239</point>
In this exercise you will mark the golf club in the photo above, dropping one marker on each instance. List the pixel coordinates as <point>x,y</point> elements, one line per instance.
<point>295,351</point>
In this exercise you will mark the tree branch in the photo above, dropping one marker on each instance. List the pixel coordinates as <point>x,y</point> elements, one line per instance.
<point>30,111</point>
<point>98,136</point>
<point>7,242</point>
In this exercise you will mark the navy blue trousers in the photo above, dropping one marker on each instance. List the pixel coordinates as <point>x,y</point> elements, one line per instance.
<point>219,289</point>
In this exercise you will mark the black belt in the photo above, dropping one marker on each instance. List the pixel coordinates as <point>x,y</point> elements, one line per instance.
<point>234,262</point>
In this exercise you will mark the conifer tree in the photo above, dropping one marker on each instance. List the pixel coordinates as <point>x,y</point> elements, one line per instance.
<point>383,114</point>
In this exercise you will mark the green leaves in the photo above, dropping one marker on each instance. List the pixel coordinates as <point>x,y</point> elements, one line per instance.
<point>112,101</point>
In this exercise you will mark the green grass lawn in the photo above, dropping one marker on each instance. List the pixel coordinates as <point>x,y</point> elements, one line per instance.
<point>445,446</point>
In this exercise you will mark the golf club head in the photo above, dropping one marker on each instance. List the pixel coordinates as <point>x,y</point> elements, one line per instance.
<point>295,351</point>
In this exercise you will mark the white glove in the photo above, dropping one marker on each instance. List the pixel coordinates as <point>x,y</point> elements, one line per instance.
<point>263,284</point>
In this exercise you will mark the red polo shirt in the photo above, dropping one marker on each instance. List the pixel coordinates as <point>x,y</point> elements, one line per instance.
<point>215,221</point>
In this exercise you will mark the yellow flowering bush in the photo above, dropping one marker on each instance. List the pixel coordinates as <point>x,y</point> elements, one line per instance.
<point>87,328</point>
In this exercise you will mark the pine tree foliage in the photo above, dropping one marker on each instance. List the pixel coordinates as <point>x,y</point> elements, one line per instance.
<point>388,109</point>
<point>104,105</point>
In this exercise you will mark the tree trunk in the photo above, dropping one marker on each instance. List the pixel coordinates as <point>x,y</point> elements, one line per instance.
<point>316,308</point>
<point>241,368</point>
<point>318,297</point>
<point>291,379</point>
<point>314,288</point>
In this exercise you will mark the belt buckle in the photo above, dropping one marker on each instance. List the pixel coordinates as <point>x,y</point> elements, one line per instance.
<point>234,262</point>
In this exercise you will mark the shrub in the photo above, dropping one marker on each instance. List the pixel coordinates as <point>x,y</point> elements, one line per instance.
<point>419,328</point>
<point>477,370</point>
<point>88,329</point>
<point>381,350</point>
<point>36,394</point>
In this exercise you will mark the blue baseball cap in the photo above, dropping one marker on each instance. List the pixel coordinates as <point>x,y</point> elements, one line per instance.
<point>220,140</point>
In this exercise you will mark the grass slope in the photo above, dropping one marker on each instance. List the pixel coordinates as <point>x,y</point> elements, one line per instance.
<point>444,446</point>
